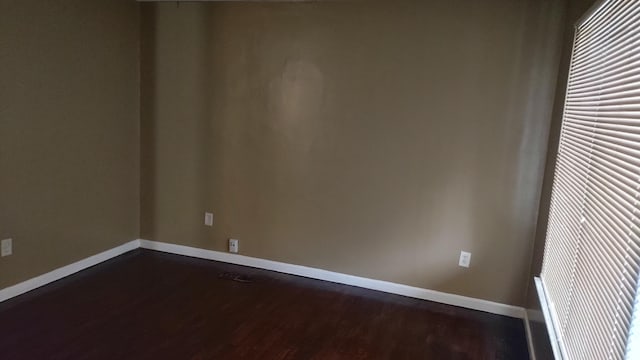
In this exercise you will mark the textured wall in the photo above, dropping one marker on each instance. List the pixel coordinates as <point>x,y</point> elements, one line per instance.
<point>69,131</point>
<point>376,140</point>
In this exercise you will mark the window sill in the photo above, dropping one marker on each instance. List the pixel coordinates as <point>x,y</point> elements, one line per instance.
<point>548,320</point>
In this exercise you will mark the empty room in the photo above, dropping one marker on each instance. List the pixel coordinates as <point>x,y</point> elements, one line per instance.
<point>320,179</point>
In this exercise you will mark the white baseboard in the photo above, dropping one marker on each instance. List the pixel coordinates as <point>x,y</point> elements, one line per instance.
<point>527,329</point>
<point>57,274</point>
<point>385,286</point>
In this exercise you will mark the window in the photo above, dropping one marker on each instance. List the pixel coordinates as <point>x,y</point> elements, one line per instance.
<point>592,252</point>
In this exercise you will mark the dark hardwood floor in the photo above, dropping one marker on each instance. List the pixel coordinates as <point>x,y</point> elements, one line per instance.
<point>150,305</point>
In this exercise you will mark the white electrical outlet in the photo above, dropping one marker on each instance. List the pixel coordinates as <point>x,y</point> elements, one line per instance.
<point>465,259</point>
<point>208,219</point>
<point>6,247</point>
<point>233,245</point>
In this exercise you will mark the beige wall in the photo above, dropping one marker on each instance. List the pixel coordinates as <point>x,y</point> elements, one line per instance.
<point>375,139</point>
<point>69,138</point>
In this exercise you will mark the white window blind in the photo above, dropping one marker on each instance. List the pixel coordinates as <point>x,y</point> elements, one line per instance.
<point>592,252</point>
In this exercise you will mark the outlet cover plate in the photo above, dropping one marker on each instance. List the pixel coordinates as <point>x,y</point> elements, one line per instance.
<point>465,259</point>
<point>6,247</point>
<point>233,246</point>
<point>208,219</point>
